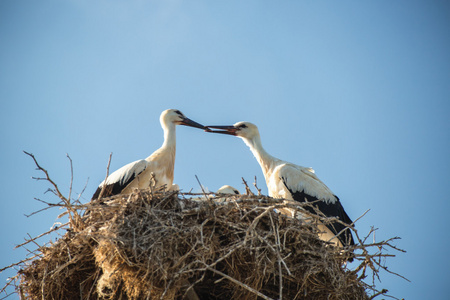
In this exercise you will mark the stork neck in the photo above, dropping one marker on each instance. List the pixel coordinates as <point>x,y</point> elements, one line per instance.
<point>266,161</point>
<point>169,136</point>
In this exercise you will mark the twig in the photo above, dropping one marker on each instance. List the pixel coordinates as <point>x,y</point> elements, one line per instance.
<point>82,191</point>
<point>201,186</point>
<point>280,272</point>
<point>71,177</point>
<point>208,200</point>
<point>58,193</point>
<point>383,291</point>
<point>256,187</point>
<point>354,222</point>
<point>247,189</point>
<point>10,281</point>
<point>34,241</point>
<point>239,283</point>
<point>106,177</point>
<point>75,220</point>
<point>256,220</point>
<point>42,234</point>
<point>50,205</point>
<point>18,263</point>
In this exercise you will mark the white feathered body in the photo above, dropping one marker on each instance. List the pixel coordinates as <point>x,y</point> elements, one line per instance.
<point>300,179</point>
<point>155,171</point>
<point>293,182</point>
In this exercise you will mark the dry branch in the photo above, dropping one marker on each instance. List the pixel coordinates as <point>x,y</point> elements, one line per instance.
<point>74,217</point>
<point>102,192</point>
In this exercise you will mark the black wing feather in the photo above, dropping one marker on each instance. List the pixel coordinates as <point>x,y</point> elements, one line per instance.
<point>116,187</point>
<point>329,210</point>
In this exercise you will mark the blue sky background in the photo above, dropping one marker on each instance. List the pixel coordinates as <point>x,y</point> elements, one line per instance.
<point>357,90</point>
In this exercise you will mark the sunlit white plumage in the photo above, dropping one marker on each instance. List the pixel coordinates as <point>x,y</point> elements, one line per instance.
<point>219,195</point>
<point>227,189</point>
<point>293,182</point>
<point>157,169</point>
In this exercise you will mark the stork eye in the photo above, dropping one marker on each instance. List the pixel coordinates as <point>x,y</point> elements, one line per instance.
<point>242,126</point>
<point>178,112</point>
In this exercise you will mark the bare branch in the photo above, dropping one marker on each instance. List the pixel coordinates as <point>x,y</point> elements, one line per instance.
<point>49,205</point>
<point>82,191</point>
<point>18,263</point>
<point>47,177</point>
<point>42,234</point>
<point>247,189</point>
<point>256,187</point>
<point>75,220</point>
<point>106,177</point>
<point>71,176</point>
<point>383,291</point>
<point>239,283</point>
<point>201,186</point>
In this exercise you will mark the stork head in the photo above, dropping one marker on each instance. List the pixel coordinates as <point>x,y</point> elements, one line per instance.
<point>244,130</point>
<point>178,118</point>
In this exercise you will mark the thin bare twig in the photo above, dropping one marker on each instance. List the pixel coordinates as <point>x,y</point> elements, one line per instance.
<point>58,193</point>
<point>247,189</point>
<point>256,187</point>
<point>383,291</point>
<point>75,219</point>
<point>50,205</point>
<point>71,177</point>
<point>106,177</point>
<point>18,263</point>
<point>201,186</point>
<point>43,234</point>
<point>239,283</point>
<point>82,191</point>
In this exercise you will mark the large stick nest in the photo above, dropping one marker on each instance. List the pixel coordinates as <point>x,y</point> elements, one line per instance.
<point>164,246</point>
<point>155,245</point>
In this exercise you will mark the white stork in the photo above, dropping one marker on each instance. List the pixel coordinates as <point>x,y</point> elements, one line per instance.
<point>156,169</point>
<point>289,181</point>
<point>227,189</point>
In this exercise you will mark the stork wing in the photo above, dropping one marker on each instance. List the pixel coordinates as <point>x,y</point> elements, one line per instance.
<point>119,180</point>
<point>304,186</point>
<point>300,179</point>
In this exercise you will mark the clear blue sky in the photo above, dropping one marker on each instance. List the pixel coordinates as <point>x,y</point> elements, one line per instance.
<point>359,91</point>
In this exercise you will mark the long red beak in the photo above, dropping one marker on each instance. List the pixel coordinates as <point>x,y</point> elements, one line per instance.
<point>231,130</point>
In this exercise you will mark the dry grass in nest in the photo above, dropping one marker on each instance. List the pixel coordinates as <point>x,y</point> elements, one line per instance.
<point>154,245</point>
